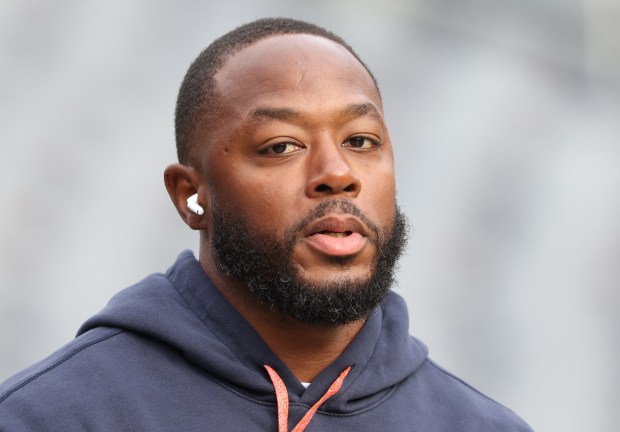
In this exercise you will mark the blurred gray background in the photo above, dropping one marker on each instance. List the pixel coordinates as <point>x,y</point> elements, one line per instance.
<point>505,117</point>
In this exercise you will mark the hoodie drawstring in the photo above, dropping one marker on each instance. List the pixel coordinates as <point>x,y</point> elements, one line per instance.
<point>282,400</point>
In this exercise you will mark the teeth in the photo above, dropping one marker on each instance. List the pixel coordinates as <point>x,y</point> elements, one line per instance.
<point>338,234</point>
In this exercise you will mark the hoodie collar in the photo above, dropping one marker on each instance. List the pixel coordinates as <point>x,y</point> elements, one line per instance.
<point>183,308</point>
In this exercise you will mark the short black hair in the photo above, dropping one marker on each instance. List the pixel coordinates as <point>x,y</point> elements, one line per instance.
<point>197,93</point>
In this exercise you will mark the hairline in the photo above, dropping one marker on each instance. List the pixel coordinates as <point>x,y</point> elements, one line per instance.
<point>209,93</point>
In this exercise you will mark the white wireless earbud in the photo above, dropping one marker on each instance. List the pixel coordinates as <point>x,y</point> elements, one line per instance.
<point>192,203</point>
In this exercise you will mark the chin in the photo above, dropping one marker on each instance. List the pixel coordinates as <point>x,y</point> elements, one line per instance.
<point>336,276</point>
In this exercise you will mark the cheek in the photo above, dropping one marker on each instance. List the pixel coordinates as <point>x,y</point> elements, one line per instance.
<point>263,200</point>
<point>379,190</point>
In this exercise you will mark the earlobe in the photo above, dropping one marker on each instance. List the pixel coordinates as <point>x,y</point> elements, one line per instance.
<point>188,194</point>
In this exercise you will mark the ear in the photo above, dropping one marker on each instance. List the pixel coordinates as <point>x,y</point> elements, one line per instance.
<point>183,181</point>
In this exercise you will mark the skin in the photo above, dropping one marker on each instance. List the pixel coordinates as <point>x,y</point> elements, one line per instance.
<point>299,121</point>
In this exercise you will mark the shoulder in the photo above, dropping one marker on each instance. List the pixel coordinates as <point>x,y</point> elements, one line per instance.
<point>55,361</point>
<point>45,385</point>
<point>453,400</point>
<point>80,383</point>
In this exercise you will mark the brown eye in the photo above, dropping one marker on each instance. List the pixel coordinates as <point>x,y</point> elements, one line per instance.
<point>281,148</point>
<point>360,142</point>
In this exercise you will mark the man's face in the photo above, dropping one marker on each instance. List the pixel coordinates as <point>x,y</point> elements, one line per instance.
<point>299,123</point>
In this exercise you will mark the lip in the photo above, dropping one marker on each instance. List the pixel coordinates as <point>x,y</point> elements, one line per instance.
<point>316,236</point>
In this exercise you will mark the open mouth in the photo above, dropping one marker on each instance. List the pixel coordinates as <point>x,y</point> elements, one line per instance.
<point>337,243</point>
<point>336,234</point>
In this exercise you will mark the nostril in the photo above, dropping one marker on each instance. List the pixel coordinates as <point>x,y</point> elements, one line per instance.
<point>322,188</point>
<point>350,188</point>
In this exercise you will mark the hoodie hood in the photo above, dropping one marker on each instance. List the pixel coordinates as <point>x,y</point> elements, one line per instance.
<point>183,309</point>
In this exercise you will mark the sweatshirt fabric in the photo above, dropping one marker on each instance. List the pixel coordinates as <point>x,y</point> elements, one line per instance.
<point>171,354</point>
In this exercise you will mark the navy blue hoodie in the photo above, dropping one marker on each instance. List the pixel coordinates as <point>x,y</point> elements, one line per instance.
<point>171,354</point>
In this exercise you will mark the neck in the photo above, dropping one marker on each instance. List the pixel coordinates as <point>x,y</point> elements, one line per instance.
<point>306,349</point>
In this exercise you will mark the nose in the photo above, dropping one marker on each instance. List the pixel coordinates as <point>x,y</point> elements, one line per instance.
<point>330,173</point>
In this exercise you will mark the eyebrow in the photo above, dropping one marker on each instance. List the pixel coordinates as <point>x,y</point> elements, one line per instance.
<point>359,110</point>
<point>349,112</point>
<point>275,113</point>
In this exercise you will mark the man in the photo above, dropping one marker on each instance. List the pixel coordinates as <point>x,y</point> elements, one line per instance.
<point>285,321</point>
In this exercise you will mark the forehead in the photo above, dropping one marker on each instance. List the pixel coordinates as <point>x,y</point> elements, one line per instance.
<point>290,68</point>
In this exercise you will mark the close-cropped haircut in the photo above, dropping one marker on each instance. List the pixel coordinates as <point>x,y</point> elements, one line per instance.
<point>197,97</point>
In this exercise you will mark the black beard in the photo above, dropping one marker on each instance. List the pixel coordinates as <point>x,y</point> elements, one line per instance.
<point>264,264</point>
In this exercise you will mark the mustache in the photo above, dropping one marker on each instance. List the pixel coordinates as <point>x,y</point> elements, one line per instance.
<point>341,206</point>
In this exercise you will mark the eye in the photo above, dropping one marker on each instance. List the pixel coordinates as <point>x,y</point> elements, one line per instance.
<point>280,148</point>
<point>361,142</point>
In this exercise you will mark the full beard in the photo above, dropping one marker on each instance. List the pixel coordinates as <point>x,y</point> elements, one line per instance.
<point>264,263</point>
